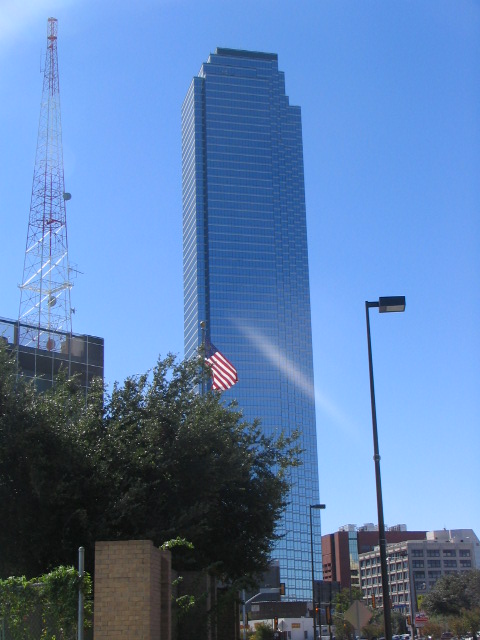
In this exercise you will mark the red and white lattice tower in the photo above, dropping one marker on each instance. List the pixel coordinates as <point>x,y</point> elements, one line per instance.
<point>45,290</point>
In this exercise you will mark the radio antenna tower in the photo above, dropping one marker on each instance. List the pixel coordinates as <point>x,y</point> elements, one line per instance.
<point>45,290</point>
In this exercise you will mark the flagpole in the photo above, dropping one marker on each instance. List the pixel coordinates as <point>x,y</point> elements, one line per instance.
<point>223,372</point>
<point>203,353</point>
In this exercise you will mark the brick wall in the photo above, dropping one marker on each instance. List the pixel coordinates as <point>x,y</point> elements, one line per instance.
<point>132,591</point>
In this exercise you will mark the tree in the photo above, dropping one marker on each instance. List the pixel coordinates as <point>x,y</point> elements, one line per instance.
<point>454,593</point>
<point>263,631</point>
<point>45,479</point>
<point>454,604</point>
<point>345,597</point>
<point>434,628</point>
<point>343,600</point>
<point>154,459</point>
<point>376,627</point>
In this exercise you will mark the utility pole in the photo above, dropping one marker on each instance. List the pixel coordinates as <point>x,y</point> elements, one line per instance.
<point>45,290</point>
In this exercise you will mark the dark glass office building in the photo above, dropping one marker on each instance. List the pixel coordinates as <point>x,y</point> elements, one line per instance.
<point>54,351</point>
<point>246,266</point>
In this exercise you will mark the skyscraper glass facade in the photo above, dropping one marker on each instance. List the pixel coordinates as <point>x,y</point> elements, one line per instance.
<point>246,266</point>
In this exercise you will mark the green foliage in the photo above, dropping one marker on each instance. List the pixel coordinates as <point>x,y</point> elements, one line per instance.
<point>185,603</point>
<point>42,469</point>
<point>342,602</point>
<point>176,542</point>
<point>18,600</point>
<point>399,623</point>
<point>154,459</point>
<point>53,598</point>
<point>376,627</point>
<point>59,595</point>
<point>263,632</point>
<point>454,604</point>
<point>454,593</point>
<point>345,597</point>
<point>434,628</point>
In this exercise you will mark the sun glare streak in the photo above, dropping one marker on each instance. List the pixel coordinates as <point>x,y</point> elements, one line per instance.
<point>334,413</point>
<point>293,373</point>
<point>278,359</point>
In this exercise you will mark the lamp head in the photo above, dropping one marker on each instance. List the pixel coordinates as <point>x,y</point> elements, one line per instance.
<point>391,304</point>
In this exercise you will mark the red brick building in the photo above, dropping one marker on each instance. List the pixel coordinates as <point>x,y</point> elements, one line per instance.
<point>340,550</point>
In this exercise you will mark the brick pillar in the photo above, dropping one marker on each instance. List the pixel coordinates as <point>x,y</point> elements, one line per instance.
<point>128,590</point>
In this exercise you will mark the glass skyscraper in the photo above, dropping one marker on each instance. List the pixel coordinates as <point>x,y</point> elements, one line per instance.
<point>246,266</point>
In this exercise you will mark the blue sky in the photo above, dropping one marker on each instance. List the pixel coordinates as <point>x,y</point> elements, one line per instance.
<point>390,98</point>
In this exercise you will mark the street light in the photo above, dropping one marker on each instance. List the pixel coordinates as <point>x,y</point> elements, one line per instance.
<point>313,506</point>
<point>384,305</point>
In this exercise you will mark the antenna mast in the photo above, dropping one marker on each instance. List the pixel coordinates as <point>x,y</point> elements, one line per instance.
<point>45,290</point>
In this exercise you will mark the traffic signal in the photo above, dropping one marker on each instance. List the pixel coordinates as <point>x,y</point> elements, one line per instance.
<point>275,623</point>
<point>373,601</point>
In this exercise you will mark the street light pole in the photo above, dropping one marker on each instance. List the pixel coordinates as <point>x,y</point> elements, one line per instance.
<point>313,506</point>
<point>384,305</point>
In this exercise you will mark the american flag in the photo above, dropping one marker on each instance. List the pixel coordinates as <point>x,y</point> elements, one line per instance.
<point>224,374</point>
